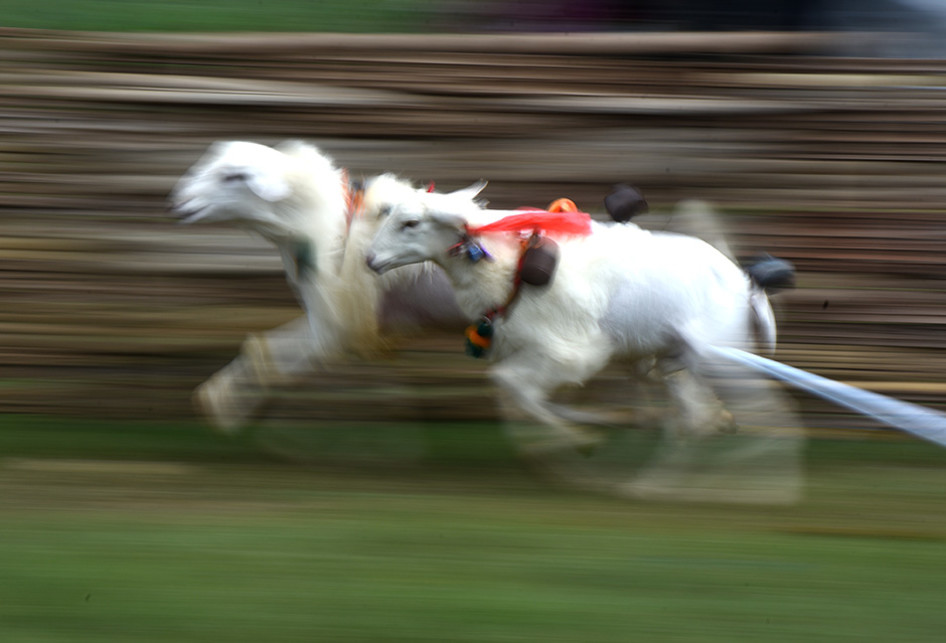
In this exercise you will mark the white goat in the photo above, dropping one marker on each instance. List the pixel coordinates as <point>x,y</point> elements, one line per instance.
<point>296,198</point>
<point>619,292</point>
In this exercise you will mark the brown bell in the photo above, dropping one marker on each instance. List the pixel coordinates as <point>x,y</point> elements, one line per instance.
<point>538,262</point>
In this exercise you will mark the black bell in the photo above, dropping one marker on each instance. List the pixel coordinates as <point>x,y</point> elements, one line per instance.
<point>624,203</point>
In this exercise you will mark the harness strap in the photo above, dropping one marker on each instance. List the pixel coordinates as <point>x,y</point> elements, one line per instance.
<point>354,199</point>
<point>354,196</point>
<point>524,245</point>
<point>479,336</point>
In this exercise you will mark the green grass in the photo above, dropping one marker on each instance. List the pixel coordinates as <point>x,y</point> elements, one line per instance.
<point>234,545</point>
<point>364,566</point>
<point>34,436</point>
<point>219,15</point>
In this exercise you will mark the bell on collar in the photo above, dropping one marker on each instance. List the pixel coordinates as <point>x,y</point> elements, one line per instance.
<point>538,262</point>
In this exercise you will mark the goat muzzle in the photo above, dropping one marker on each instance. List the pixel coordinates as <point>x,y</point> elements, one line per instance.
<point>371,262</point>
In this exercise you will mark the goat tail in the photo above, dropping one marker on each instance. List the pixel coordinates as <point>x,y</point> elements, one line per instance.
<point>764,320</point>
<point>768,275</point>
<point>771,274</point>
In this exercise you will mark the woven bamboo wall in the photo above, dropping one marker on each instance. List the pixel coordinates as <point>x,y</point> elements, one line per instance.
<point>111,309</point>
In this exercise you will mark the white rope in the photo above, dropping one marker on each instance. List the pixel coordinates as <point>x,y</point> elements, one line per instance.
<point>923,422</point>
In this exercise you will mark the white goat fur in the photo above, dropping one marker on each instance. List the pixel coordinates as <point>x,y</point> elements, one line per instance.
<point>295,197</point>
<point>621,292</point>
<point>608,299</point>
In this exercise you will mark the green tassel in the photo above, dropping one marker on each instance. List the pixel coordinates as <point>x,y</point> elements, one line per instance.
<point>479,338</point>
<point>303,252</point>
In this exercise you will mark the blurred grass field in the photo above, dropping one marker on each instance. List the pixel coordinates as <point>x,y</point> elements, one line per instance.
<point>360,16</point>
<point>135,530</point>
<point>113,532</point>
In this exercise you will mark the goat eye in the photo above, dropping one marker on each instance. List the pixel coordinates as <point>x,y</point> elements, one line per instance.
<point>410,223</point>
<point>233,177</point>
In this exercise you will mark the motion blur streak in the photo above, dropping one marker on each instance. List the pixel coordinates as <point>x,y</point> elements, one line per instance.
<point>123,518</point>
<point>113,310</point>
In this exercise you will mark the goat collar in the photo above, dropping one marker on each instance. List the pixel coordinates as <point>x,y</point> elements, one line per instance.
<point>303,250</point>
<point>525,245</point>
<point>354,199</point>
<point>562,219</point>
<point>479,336</point>
<point>533,225</point>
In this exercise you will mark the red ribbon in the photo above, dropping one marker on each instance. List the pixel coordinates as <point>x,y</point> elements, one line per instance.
<point>540,221</point>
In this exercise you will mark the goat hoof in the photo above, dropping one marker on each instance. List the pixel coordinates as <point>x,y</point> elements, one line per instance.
<point>227,409</point>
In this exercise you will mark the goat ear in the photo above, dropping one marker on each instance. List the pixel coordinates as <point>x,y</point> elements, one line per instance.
<point>471,191</point>
<point>269,186</point>
<point>449,220</point>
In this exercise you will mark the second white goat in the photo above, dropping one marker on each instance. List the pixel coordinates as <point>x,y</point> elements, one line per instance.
<point>618,292</point>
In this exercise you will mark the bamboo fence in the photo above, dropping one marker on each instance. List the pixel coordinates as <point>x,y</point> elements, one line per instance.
<point>110,309</point>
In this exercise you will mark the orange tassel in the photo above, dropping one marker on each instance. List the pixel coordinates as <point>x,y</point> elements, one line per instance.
<point>562,205</point>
